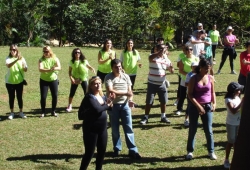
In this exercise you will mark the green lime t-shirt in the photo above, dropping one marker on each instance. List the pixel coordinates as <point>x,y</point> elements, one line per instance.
<point>214,35</point>
<point>79,69</point>
<point>187,64</point>
<point>48,63</point>
<point>105,67</point>
<point>129,61</point>
<point>15,73</point>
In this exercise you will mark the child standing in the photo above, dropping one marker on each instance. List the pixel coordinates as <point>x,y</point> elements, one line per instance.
<point>233,104</point>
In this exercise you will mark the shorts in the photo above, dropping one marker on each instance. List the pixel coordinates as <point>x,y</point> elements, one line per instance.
<point>232,132</point>
<point>161,90</point>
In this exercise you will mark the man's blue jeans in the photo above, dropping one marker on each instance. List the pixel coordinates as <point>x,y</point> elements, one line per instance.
<point>123,112</point>
<point>207,120</point>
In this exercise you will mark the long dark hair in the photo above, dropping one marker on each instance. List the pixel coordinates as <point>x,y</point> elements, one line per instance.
<point>104,45</point>
<point>82,57</point>
<point>203,63</point>
<point>126,47</point>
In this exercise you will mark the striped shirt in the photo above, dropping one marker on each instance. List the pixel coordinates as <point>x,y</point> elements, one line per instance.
<point>157,70</point>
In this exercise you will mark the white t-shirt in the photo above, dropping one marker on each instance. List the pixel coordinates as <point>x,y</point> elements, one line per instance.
<point>233,119</point>
<point>197,48</point>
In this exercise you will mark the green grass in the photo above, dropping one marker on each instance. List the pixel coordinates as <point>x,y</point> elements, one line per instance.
<point>52,143</point>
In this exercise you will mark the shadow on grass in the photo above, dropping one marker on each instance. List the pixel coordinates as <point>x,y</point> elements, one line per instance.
<point>216,167</point>
<point>220,93</point>
<point>40,157</point>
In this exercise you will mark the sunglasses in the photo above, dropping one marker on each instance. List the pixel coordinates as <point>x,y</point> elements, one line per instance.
<point>190,49</point>
<point>12,49</point>
<point>77,52</point>
<point>45,51</point>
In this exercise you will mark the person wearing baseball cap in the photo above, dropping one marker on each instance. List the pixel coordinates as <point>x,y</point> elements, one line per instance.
<point>229,49</point>
<point>233,104</point>
<point>159,40</point>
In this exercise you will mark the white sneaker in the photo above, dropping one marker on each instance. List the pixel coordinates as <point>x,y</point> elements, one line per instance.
<point>11,116</point>
<point>176,102</point>
<point>186,123</point>
<point>22,115</point>
<point>189,156</point>
<point>226,164</point>
<point>178,113</point>
<point>212,156</point>
<point>69,109</point>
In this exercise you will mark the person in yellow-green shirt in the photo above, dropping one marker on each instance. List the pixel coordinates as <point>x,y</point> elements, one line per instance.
<point>130,61</point>
<point>105,55</point>
<point>78,74</point>
<point>48,66</point>
<point>16,66</point>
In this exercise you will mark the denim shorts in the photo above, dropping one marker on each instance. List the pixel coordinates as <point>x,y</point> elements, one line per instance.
<point>232,132</point>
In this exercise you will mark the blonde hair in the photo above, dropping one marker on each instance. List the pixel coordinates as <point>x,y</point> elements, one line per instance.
<point>91,81</point>
<point>47,48</point>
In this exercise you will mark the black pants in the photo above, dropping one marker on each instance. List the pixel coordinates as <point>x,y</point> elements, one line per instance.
<point>92,140</point>
<point>228,52</point>
<point>101,75</point>
<point>12,89</point>
<point>74,87</point>
<point>242,80</point>
<point>183,94</point>
<point>213,50</point>
<point>178,89</point>
<point>132,78</point>
<point>44,86</point>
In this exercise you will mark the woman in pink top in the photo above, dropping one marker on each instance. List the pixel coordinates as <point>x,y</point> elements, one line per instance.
<point>229,49</point>
<point>244,65</point>
<point>202,103</point>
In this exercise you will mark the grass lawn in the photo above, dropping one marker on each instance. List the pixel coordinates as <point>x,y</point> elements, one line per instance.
<point>52,143</point>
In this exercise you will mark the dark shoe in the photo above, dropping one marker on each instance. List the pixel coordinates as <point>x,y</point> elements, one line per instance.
<point>165,120</point>
<point>116,153</point>
<point>144,121</point>
<point>134,155</point>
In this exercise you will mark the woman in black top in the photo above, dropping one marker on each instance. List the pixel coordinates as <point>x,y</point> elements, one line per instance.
<point>95,123</point>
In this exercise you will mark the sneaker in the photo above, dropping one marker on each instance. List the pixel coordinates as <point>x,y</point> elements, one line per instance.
<point>186,123</point>
<point>69,109</point>
<point>214,59</point>
<point>11,116</point>
<point>226,164</point>
<point>178,113</point>
<point>218,72</point>
<point>144,121</point>
<point>176,102</point>
<point>233,72</point>
<point>42,115</point>
<point>134,155</point>
<point>22,115</point>
<point>212,156</point>
<point>54,114</point>
<point>165,120</point>
<point>189,156</point>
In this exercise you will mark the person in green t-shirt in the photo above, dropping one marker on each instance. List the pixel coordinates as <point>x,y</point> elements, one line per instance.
<point>78,74</point>
<point>130,58</point>
<point>105,55</point>
<point>16,66</point>
<point>215,38</point>
<point>48,66</point>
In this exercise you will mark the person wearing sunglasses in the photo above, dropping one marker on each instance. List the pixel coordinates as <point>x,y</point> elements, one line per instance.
<point>78,74</point>
<point>48,66</point>
<point>184,69</point>
<point>14,78</point>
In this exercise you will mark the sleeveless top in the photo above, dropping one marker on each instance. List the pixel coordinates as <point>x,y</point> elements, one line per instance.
<point>202,94</point>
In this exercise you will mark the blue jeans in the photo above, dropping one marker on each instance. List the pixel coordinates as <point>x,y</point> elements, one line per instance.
<point>123,112</point>
<point>207,120</point>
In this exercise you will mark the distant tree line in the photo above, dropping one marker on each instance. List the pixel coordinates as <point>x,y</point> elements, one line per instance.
<point>32,22</point>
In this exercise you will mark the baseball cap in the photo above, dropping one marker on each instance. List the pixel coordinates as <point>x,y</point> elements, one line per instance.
<point>202,31</point>
<point>199,24</point>
<point>194,64</point>
<point>234,86</point>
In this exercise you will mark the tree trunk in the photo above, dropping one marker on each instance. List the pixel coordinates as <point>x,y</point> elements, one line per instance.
<point>241,156</point>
